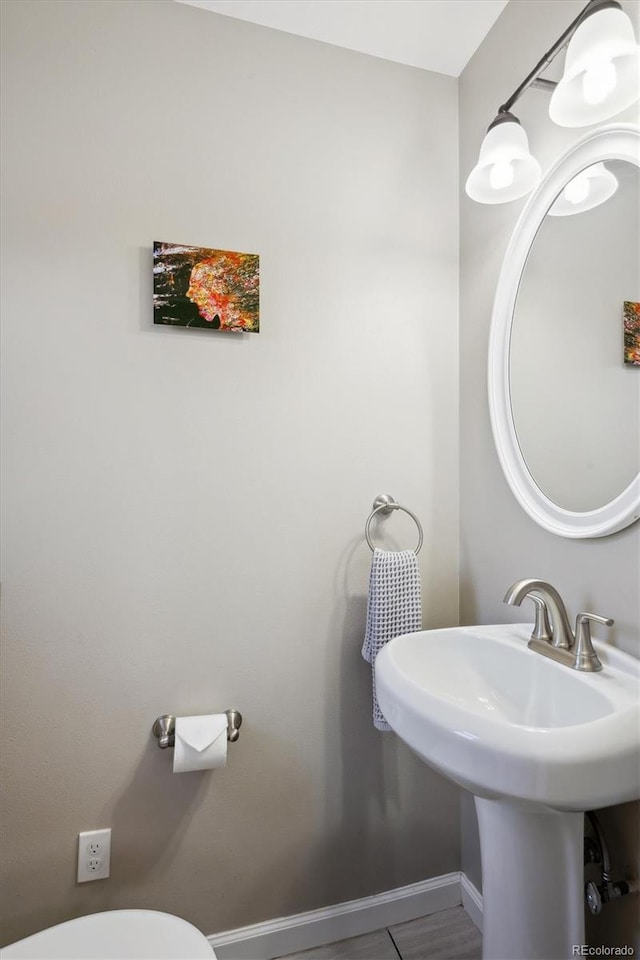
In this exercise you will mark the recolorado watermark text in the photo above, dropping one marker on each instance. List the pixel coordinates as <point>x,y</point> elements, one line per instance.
<point>582,950</point>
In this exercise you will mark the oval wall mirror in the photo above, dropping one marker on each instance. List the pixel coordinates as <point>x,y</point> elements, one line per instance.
<point>564,404</point>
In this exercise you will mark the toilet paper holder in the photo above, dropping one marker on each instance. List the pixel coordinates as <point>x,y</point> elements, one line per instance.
<point>164,728</point>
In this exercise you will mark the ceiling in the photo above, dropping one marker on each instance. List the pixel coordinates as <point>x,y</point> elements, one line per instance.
<point>438,35</point>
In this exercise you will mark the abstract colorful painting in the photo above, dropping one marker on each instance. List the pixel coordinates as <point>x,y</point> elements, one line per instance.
<point>632,332</point>
<point>207,289</point>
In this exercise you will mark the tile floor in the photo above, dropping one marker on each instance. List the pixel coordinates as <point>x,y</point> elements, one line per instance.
<point>447,935</point>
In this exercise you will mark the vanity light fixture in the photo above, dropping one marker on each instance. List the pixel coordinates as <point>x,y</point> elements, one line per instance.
<point>587,190</point>
<point>602,77</point>
<point>505,169</point>
<point>602,69</point>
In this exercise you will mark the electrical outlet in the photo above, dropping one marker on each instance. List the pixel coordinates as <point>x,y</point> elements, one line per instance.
<point>94,855</point>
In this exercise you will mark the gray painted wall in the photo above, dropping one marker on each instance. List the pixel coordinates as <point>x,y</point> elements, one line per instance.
<point>499,543</point>
<point>184,512</point>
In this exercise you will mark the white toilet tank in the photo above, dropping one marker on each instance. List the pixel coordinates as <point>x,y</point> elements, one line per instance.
<point>115,935</point>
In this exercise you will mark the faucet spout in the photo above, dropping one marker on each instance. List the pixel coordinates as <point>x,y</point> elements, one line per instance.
<point>562,634</point>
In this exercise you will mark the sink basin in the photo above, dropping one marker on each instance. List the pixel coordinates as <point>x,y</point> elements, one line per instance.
<point>537,743</point>
<point>503,721</point>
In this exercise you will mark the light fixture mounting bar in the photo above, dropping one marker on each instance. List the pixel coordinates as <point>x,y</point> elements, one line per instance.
<point>533,78</point>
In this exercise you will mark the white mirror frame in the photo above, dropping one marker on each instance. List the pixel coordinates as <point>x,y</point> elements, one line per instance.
<point>613,142</point>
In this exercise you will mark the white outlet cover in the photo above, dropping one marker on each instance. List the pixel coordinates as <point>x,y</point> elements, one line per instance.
<point>94,855</point>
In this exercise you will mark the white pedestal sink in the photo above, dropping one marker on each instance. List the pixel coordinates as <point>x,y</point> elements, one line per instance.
<point>537,743</point>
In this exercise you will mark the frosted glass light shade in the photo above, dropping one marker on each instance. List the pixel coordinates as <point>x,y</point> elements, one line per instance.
<point>505,169</point>
<point>602,71</point>
<point>588,189</point>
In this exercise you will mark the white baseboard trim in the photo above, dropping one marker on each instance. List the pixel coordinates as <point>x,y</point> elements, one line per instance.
<point>471,900</point>
<point>277,938</point>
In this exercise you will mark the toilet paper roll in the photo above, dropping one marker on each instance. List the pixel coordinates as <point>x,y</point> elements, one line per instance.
<point>201,743</point>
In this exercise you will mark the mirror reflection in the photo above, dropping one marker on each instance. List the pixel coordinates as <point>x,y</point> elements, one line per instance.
<point>575,402</point>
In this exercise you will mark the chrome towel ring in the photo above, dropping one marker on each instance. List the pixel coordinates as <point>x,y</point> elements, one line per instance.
<point>384,504</point>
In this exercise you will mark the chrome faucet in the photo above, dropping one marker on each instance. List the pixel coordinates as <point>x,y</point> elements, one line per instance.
<point>547,599</point>
<point>552,635</point>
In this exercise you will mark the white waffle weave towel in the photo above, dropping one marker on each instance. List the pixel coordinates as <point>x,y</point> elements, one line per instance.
<point>394,607</point>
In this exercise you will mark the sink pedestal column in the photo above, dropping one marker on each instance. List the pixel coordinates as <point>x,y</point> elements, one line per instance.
<point>532,881</point>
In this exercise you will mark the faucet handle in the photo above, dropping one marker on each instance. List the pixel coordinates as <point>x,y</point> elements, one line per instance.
<point>542,627</point>
<point>585,656</point>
